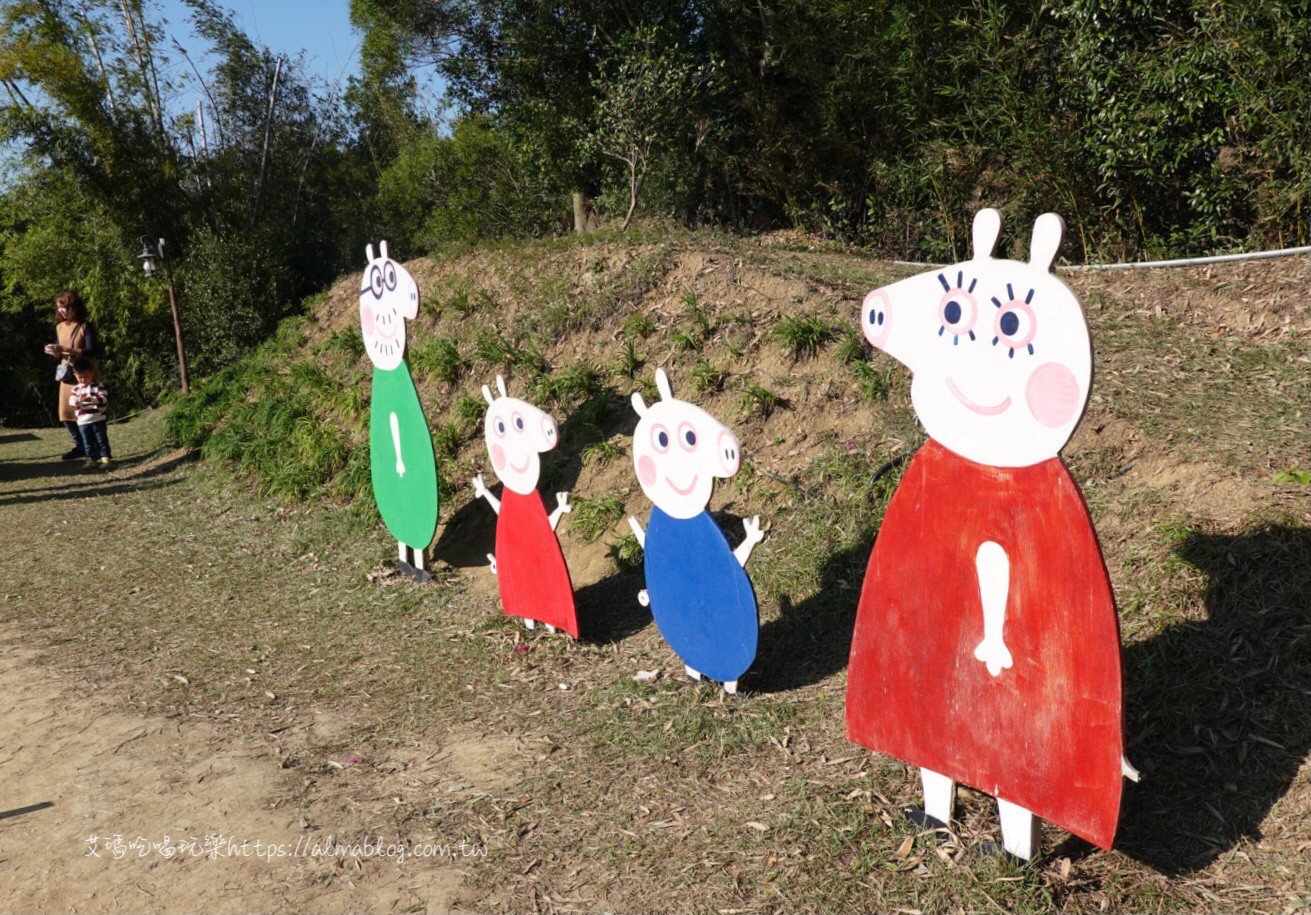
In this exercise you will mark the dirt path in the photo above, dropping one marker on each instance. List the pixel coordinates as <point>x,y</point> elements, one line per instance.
<point>97,806</point>
<point>106,810</point>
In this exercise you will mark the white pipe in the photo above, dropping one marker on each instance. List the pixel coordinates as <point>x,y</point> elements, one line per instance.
<point>1180,262</point>
<point>1188,261</point>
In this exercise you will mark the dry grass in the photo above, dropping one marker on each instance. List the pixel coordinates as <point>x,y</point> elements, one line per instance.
<point>659,794</point>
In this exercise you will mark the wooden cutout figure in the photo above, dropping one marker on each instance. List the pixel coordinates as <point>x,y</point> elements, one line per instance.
<point>528,564</point>
<point>987,646</point>
<point>402,463</point>
<point>697,587</point>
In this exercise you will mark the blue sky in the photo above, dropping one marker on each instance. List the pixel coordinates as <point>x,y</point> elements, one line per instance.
<point>321,28</point>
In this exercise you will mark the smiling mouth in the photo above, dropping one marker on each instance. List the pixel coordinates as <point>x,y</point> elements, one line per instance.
<point>526,462</point>
<point>977,408</point>
<point>682,492</point>
<point>389,335</point>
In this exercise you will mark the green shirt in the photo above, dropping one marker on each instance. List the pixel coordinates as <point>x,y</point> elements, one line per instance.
<point>406,491</point>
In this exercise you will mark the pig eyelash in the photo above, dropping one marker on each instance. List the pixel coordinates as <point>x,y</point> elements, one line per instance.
<point>967,296</point>
<point>1010,300</point>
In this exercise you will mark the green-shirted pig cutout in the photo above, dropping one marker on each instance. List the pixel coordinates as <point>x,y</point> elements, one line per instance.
<point>404,468</point>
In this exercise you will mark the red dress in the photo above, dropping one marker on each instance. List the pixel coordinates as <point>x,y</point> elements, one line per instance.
<point>1047,733</point>
<point>530,566</point>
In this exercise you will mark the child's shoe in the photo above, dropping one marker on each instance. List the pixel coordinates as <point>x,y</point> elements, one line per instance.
<point>106,463</point>
<point>90,464</point>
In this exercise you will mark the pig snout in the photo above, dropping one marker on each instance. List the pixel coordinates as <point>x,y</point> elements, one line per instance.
<point>875,318</point>
<point>550,435</point>
<point>729,453</point>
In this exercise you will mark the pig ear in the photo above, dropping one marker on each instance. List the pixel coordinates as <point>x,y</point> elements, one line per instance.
<point>987,226</point>
<point>662,385</point>
<point>500,385</point>
<point>368,253</point>
<point>639,404</point>
<point>487,395</point>
<point>1048,230</point>
<point>382,245</point>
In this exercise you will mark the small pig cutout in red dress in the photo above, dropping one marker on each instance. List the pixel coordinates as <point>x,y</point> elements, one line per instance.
<point>534,579</point>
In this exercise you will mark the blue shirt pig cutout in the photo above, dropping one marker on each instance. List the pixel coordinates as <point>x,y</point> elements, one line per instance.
<point>696,585</point>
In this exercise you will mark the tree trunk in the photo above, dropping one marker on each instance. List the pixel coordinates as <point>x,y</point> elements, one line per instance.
<point>581,226</point>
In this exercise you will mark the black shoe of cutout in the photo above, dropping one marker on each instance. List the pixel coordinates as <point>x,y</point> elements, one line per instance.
<point>920,818</point>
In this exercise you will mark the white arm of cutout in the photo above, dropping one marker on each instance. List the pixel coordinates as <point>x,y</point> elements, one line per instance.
<point>396,443</point>
<point>562,507</point>
<point>994,569</point>
<point>480,489</point>
<point>637,532</point>
<point>754,536</point>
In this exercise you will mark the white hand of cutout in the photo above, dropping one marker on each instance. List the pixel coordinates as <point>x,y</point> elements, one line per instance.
<point>993,567</point>
<point>396,443</point>
<point>480,488</point>
<point>995,654</point>
<point>752,528</point>
<point>562,507</point>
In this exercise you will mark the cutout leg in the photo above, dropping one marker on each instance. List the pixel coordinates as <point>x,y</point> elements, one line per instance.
<point>731,687</point>
<point>939,795</point>
<point>695,675</point>
<point>550,628</point>
<point>1021,831</point>
<point>529,624</point>
<point>400,552</point>
<point>419,562</point>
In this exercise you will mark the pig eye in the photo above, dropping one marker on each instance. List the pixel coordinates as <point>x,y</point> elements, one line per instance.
<point>499,426</point>
<point>660,439</point>
<point>957,311</point>
<point>687,437</point>
<point>1015,323</point>
<point>375,282</point>
<point>389,275</point>
<point>517,419</point>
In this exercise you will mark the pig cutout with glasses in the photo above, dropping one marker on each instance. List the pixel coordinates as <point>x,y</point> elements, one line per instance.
<point>528,563</point>
<point>987,646</point>
<point>697,587</point>
<point>402,464</point>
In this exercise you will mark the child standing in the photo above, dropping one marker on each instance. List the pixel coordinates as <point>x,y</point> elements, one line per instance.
<point>88,402</point>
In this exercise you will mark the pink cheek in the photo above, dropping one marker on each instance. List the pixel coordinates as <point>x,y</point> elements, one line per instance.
<point>366,320</point>
<point>646,470</point>
<point>1053,395</point>
<point>498,457</point>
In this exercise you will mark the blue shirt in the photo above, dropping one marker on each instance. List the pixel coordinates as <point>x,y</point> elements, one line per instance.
<point>701,597</point>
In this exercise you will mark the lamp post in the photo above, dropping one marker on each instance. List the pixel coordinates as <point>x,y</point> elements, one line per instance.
<point>150,253</point>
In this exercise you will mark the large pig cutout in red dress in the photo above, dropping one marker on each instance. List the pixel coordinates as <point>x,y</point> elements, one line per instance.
<point>986,648</point>
<point>529,564</point>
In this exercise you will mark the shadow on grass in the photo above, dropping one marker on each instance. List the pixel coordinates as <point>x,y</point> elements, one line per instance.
<point>69,471</point>
<point>811,641</point>
<point>10,437</point>
<point>107,487</point>
<point>608,611</point>
<point>1216,711</point>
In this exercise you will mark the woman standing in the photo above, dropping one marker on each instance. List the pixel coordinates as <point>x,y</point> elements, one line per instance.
<point>77,339</point>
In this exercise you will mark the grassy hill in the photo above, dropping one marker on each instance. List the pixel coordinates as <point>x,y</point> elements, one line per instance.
<point>657,794</point>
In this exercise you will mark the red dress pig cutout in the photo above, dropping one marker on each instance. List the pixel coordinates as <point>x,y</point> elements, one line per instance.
<point>534,579</point>
<point>986,648</point>
<point>1046,735</point>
